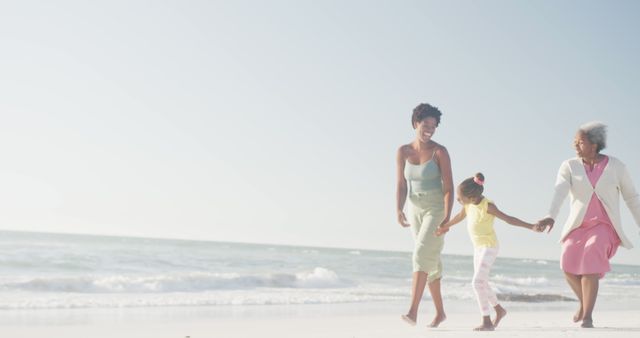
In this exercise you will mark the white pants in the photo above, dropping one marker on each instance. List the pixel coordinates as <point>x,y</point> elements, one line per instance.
<point>483,259</point>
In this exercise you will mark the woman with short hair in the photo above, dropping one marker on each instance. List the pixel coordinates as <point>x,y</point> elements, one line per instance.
<point>593,231</point>
<point>424,179</point>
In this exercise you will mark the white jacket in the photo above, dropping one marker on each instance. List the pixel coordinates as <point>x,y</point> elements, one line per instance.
<point>615,181</point>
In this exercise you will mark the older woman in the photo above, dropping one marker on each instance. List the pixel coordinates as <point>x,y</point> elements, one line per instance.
<point>424,176</point>
<point>593,231</point>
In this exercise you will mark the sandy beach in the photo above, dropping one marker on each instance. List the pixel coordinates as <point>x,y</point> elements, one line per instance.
<point>550,324</point>
<point>350,320</point>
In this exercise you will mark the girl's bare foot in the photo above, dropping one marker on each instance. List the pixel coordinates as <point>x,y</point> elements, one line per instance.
<point>500,313</point>
<point>484,328</point>
<point>486,325</point>
<point>578,316</point>
<point>410,320</point>
<point>436,321</point>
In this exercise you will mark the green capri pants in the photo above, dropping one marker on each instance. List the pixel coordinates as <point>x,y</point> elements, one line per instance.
<point>425,212</point>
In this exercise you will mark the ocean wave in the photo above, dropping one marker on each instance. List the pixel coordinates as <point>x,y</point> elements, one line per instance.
<point>58,300</point>
<point>503,280</point>
<point>621,281</point>
<point>534,298</point>
<point>50,263</point>
<point>209,298</point>
<point>537,261</point>
<point>521,281</point>
<point>187,282</point>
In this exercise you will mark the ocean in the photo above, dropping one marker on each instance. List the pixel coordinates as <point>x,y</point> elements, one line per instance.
<point>62,271</point>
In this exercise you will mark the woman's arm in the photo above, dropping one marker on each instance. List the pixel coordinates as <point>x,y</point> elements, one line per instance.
<point>444,163</point>
<point>561,190</point>
<point>493,210</point>
<point>629,193</point>
<point>401,190</point>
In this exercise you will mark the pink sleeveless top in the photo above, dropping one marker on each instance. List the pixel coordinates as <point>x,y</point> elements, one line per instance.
<point>596,212</point>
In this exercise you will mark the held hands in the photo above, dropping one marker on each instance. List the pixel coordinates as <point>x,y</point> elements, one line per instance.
<point>543,224</point>
<point>402,219</point>
<point>443,227</point>
<point>442,230</point>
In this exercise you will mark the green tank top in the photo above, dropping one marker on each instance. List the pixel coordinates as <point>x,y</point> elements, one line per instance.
<point>423,177</point>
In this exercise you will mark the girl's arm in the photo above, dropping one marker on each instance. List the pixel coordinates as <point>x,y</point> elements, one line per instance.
<point>401,190</point>
<point>493,210</point>
<point>444,163</point>
<point>455,220</point>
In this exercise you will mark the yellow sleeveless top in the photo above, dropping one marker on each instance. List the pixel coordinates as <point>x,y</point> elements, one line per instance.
<point>480,225</point>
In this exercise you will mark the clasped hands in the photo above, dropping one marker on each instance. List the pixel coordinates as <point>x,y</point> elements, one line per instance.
<point>543,224</point>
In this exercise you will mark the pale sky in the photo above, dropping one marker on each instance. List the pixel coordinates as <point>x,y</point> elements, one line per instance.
<point>278,122</point>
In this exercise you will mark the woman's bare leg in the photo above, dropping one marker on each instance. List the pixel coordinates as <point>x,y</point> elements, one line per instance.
<point>575,282</point>
<point>436,295</point>
<point>590,284</point>
<point>417,289</point>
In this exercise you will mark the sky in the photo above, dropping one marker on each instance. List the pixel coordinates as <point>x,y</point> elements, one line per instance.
<point>278,122</point>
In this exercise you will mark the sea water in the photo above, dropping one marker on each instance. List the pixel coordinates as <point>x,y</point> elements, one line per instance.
<point>63,271</point>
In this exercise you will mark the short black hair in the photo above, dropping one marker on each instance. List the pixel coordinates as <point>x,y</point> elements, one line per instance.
<point>424,110</point>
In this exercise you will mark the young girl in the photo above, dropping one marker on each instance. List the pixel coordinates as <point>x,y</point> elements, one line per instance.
<point>481,213</point>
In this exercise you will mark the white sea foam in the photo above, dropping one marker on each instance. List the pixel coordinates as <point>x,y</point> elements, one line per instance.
<point>621,280</point>
<point>318,278</point>
<point>520,281</point>
<point>264,296</point>
<point>539,261</point>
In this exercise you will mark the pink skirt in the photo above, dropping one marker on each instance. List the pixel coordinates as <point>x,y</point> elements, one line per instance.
<point>587,249</point>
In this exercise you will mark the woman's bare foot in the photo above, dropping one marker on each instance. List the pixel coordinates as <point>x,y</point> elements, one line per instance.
<point>578,316</point>
<point>439,319</point>
<point>410,320</point>
<point>500,313</point>
<point>587,323</point>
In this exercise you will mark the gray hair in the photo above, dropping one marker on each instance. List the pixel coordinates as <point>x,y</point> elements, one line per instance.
<point>596,132</point>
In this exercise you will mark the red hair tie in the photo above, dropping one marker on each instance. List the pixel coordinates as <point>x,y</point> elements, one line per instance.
<point>478,181</point>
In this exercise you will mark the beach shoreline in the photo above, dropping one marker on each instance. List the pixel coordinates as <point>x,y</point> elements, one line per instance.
<point>77,286</point>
